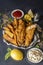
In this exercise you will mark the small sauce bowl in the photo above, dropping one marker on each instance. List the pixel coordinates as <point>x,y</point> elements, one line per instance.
<point>31,56</point>
<point>17,13</point>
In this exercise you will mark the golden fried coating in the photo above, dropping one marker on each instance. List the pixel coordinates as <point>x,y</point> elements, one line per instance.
<point>15,38</point>
<point>6,28</point>
<point>30,27</point>
<point>19,33</point>
<point>15,23</point>
<point>6,37</point>
<point>29,34</point>
<point>20,38</point>
<point>9,33</point>
<point>21,25</point>
<point>10,27</point>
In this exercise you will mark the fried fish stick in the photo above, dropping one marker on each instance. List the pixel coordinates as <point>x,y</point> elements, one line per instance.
<point>10,27</point>
<point>30,27</point>
<point>9,33</point>
<point>27,41</point>
<point>7,38</point>
<point>29,35</point>
<point>6,28</point>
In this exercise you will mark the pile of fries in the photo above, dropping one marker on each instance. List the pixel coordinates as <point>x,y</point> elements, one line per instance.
<point>19,33</point>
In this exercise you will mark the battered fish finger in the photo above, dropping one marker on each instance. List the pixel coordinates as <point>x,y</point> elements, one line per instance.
<point>29,34</point>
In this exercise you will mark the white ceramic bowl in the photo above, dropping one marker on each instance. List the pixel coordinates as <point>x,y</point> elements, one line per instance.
<point>15,11</point>
<point>29,54</point>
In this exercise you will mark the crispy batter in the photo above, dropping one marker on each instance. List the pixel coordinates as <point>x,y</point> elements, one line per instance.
<point>9,33</point>
<point>6,37</point>
<point>10,27</point>
<point>15,38</point>
<point>30,27</point>
<point>6,28</point>
<point>20,38</point>
<point>15,23</point>
<point>18,33</point>
<point>21,25</point>
<point>29,34</point>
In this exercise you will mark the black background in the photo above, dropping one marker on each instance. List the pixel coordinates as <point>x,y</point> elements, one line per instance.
<point>25,5</point>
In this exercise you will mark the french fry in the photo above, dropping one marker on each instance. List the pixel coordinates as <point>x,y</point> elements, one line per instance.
<point>18,33</point>
<point>6,28</point>
<point>15,38</point>
<point>15,23</point>
<point>9,33</point>
<point>10,27</point>
<point>6,37</point>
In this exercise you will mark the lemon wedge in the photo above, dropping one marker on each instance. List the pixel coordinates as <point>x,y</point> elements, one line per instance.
<point>16,54</point>
<point>27,17</point>
<point>31,13</point>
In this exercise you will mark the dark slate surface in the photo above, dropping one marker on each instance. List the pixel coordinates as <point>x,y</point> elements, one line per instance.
<point>25,5</point>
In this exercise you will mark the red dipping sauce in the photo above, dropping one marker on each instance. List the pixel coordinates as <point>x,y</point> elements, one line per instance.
<point>17,14</point>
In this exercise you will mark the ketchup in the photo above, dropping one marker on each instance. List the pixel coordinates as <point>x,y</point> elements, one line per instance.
<point>17,14</point>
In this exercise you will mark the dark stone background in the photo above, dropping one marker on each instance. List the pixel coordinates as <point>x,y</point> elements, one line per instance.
<point>25,5</point>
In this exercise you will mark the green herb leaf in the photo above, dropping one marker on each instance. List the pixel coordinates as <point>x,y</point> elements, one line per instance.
<point>37,46</point>
<point>10,19</point>
<point>8,49</point>
<point>7,55</point>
